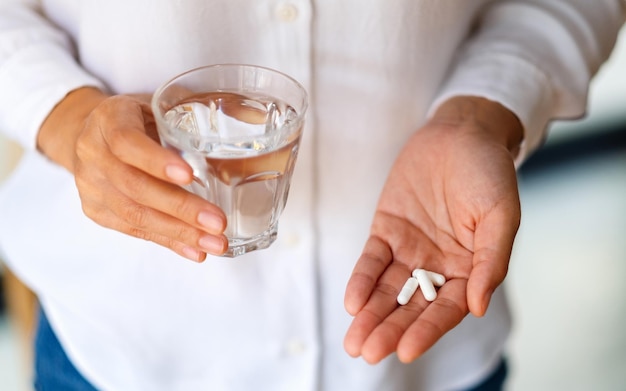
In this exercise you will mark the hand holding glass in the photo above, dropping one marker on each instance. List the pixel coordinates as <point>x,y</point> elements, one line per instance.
<point>239,128</point>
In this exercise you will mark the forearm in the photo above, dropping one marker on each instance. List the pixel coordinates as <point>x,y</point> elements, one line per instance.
<point>536,58</point>
<point>57,137</point>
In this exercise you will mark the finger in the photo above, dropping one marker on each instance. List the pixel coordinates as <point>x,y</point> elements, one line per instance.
<point>124,130</point>
<point>493,245</point>
<point>171,200</point>
<point>374,260</point>
<point>367,320</point>
<point>108,206</point>
<point>384,339</point>
<point>381,303</point>
<point>439,317</point>
<point>151,222</point>
<point>102,187</point>
<point>179,248</point>
<point>135,218</point>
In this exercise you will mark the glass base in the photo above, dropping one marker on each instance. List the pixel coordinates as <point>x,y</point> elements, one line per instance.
<point>239,246</point>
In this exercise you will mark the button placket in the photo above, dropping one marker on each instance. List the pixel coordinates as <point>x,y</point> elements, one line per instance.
<point>295,347</point>
<point>286,12</point>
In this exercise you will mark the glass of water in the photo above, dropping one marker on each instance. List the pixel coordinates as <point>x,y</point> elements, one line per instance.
<point>239,127</point>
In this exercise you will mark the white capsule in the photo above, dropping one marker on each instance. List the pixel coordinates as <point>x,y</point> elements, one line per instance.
<point>425,284</point>
<point>436,278</point>
<point>407,291</point>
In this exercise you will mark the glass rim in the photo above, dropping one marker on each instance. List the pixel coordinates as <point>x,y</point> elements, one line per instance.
<point>155,107</point>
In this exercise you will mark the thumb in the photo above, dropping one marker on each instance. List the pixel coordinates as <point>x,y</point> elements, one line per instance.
<point>493,243</point>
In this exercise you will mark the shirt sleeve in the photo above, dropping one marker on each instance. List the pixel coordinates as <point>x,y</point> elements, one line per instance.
<point>37,69</point>
<point>536,57</point>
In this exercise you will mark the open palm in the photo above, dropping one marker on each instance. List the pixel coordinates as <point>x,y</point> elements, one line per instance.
<point>450,205</point>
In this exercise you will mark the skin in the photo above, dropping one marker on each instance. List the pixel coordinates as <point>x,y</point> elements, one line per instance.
<point>125,179</point>
<point>450,205</point>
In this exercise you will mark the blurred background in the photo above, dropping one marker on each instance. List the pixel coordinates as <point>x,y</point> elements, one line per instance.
<point>567,275</point>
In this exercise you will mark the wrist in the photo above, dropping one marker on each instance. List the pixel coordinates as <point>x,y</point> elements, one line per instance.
<point>58,133</point>
<point>501,124</point>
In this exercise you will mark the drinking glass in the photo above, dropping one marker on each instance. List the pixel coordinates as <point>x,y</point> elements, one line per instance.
<point>239,127</point>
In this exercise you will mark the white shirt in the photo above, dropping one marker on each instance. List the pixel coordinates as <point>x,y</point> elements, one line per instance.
<point>134,316</point>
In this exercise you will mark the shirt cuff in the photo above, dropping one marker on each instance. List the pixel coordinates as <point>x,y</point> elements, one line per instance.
<point>511,81</point>
<point>39,77</point>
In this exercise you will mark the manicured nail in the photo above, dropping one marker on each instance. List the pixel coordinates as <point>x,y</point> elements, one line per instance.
<point>211,221</point>
<point>177,173</point>
<point>192,253</point>
<point>212,244</point>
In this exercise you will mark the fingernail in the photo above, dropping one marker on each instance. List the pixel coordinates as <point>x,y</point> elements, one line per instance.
<point>192,253</point>
<point>212,244</point>
<point>177,173</point>
<point>211,221</point>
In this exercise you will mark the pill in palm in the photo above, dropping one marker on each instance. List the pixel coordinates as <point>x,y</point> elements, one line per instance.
<point>436,278</point>
<point>407,291</point>
<point>426,285</point>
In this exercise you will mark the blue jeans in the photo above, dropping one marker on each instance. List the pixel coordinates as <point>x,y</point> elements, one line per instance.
<point>54,371</point>
<point>495,381</point>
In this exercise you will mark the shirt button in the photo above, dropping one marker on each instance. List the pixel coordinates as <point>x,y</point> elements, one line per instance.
<point>292,239</point>
<point>295,347</point>
<point>287,12</point>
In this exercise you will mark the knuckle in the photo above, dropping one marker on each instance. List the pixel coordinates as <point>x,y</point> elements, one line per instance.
<point>84,148</point>
<point>92,212</point>
<point>81,182</point>
<point>185,205</point>
<point>91,193</point>
<point>140,234</point>
<point>85,180</point>
<point>154,238</point>
<point>136,215</point>
<point>91,135</point>
<point>100,215</point>
<point>134,185</point>
<point>120,116</point>
<point>181,231</point>
<point>185,234</point>
<point>81,148</point>
<point>117,139</point>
